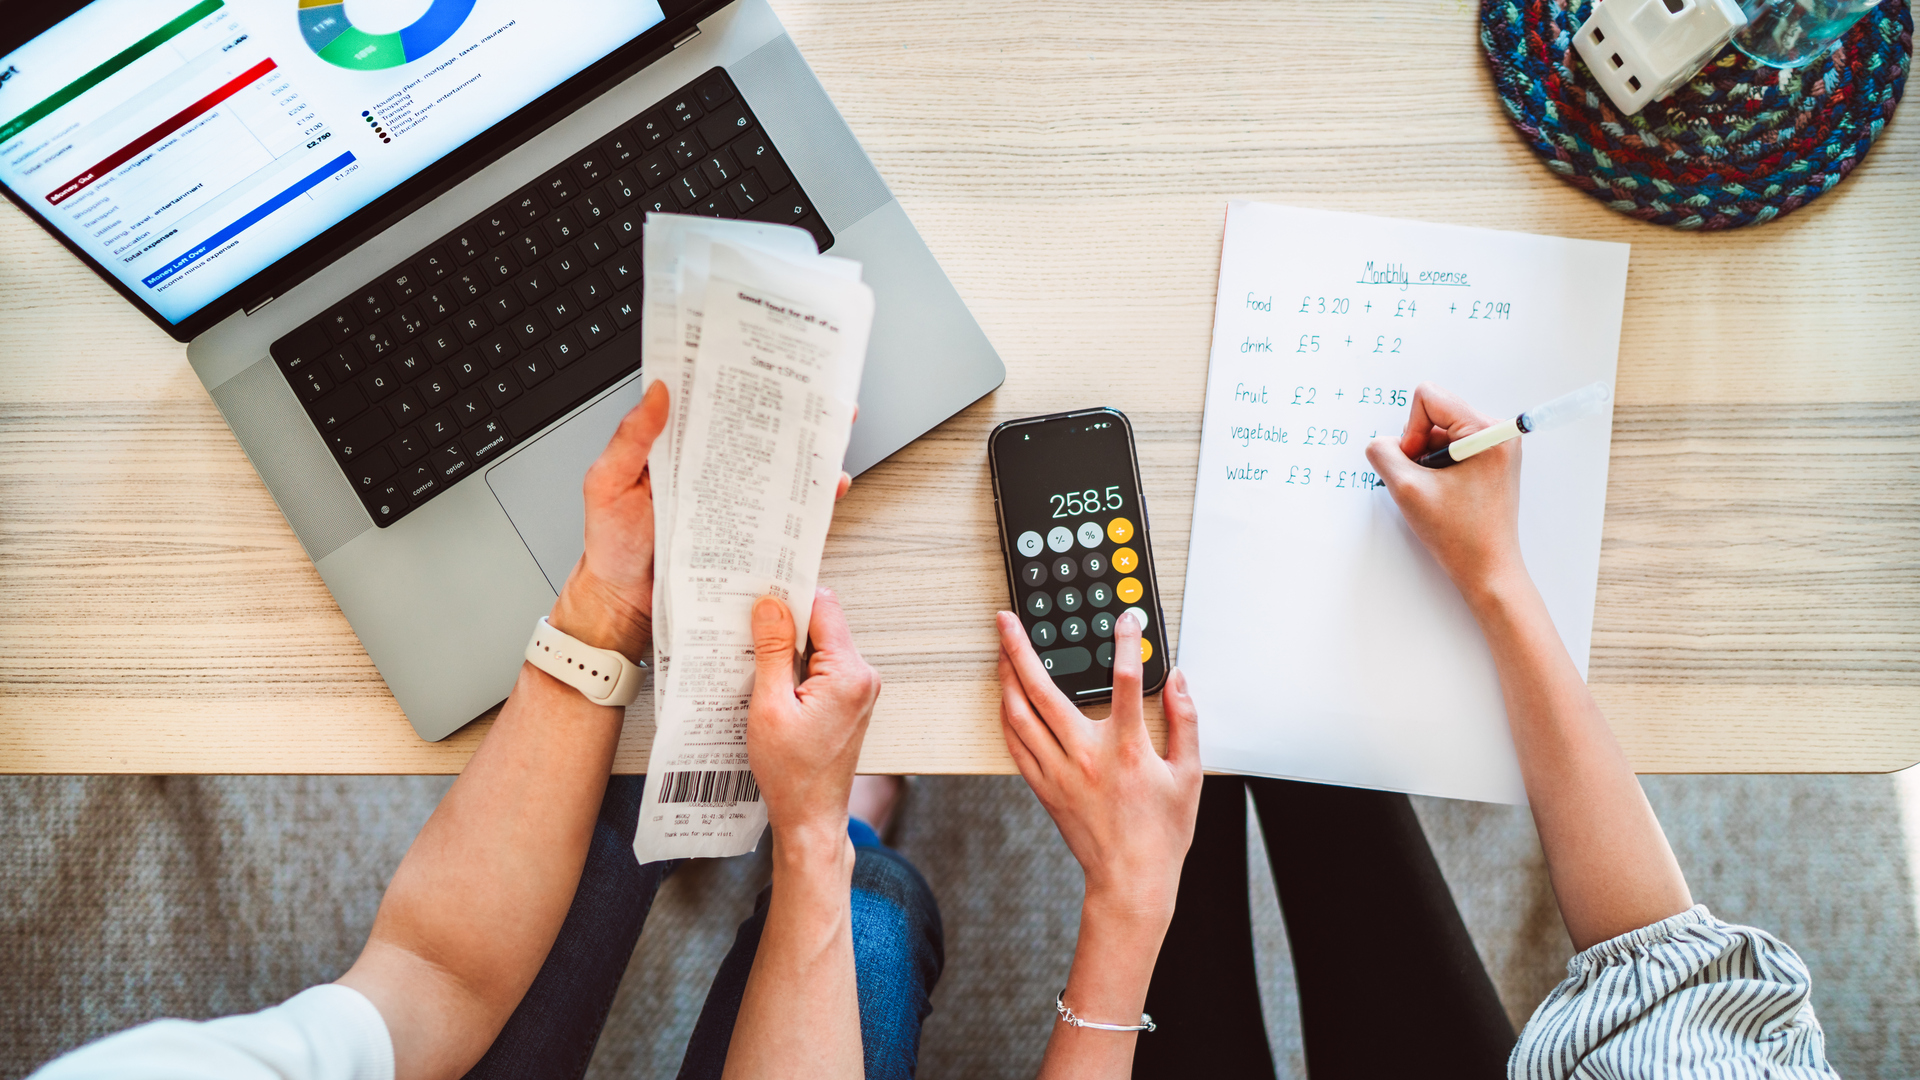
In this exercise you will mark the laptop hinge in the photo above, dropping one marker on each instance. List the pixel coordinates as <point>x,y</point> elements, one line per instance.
<point>258,304</point>
<point>684,38</point>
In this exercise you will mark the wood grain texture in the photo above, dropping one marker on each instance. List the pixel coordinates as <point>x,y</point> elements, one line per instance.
<point>1069,163</point>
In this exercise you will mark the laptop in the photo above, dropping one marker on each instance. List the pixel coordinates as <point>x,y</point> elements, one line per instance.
<point>401,238</point>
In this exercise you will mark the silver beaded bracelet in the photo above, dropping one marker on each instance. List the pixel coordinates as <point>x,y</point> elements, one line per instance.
<point>1067,1017</point>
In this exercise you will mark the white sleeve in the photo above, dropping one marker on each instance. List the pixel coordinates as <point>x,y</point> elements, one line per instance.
<point>325,1033</point>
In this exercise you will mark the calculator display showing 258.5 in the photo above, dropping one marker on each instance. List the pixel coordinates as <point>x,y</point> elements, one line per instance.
<point>1090,501</point>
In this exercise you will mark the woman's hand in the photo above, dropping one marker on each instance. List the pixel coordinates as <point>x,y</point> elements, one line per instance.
<point>800,1014</point>
<point>1468,515</point>
<point>1125,813</point>
<point>607,601</point>
<point>804,741</point>
<point>1611,868</point>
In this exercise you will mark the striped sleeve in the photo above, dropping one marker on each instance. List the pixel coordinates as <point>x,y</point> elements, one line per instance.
<point>1689,996</point>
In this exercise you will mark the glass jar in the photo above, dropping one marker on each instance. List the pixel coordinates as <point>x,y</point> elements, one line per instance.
<point>1790,33</point>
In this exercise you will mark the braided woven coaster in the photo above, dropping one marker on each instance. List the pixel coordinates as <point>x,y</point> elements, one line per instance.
<point>1739,145</point>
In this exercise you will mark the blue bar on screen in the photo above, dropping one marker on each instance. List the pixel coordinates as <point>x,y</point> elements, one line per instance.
<point>247,220</point>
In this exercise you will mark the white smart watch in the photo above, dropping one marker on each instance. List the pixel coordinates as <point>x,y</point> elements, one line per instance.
<point>605,677</point>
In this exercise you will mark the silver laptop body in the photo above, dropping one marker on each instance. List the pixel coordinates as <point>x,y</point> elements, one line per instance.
<point>445,598</point>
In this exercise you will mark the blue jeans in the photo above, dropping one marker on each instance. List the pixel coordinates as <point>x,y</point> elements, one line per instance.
<point>898,952</point>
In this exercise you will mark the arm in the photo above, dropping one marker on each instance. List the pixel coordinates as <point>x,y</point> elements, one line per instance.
<point>800,1015</point>
<point>481,894</point>
<point>1127,816</point>
<point>1610,865</point>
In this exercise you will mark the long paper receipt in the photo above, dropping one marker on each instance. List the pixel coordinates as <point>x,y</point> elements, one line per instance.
<point>1320,639</point>
<point>761,342</point>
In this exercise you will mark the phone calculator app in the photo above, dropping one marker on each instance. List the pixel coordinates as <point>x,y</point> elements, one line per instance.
<point>1077,548</point>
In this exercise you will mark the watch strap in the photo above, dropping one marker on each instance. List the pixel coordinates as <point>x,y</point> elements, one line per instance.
<point>602,676</point>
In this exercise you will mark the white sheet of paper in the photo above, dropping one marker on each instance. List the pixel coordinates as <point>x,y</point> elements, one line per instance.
<point>1320,640</point>
<point>765,362</point>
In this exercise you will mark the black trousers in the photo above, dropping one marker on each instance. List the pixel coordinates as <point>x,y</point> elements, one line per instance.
<point>1390,984</point>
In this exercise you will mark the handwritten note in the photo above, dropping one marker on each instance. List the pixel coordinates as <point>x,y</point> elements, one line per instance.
<point>1320,639</point>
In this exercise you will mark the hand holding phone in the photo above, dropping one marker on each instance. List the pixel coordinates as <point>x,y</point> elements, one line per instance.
<point>1073,529</point>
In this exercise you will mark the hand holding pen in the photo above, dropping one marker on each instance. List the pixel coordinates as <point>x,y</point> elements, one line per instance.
<point>1468,517</point>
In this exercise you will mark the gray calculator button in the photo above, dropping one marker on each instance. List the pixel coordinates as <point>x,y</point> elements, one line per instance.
<point>1073,629</point>
<point>1044,633</point>
<point>1029,543</point>
<point>1091,534</point>
<point>1138,616</point>
<point>1103,623</point>
<point>1069,599</point>
<point>1059,539</point>
<point>1033,573</point>
<point>1039,604</point>
<point>1066,661</point>
<point>1104,654</point>
<point>1099,594</point>
<point>1095,564</point>
<point>1064,568</point>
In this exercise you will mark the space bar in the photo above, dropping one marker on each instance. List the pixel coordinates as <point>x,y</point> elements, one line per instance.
<point>542,404</point>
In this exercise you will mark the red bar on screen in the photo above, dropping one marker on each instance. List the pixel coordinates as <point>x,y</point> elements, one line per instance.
<point>167,127</point>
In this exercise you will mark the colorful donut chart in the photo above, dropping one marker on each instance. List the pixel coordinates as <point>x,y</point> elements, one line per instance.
<point>337,41</point>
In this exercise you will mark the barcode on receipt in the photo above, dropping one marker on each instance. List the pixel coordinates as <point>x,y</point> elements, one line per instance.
<point>718,787</point>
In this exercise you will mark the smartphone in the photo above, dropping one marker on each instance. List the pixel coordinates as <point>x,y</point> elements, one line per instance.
<point>1066,491</point>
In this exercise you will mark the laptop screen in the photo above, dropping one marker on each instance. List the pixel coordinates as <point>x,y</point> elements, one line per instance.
<point>186,145</point>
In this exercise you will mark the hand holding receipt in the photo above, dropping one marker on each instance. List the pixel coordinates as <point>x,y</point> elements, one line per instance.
<point>1324,326</point>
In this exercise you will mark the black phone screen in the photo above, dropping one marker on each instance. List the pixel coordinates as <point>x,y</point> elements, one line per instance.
<point>1074,531</point>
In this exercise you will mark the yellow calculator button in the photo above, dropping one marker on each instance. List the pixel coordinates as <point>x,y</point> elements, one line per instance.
<point>1126,560</point>
<point>1146,650</point>
<point>1128,590</point>
<point>1119,530</point>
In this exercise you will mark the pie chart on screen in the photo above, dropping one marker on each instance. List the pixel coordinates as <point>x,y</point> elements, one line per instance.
<point>334,38</point>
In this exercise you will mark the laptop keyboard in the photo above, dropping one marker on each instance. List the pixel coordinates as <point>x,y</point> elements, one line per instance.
<point>437,367</point>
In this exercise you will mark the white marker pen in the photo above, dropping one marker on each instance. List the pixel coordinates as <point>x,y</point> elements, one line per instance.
<point>1560,410</point>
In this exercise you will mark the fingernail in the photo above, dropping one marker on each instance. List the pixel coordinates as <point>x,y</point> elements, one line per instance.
<point>1178,682</point>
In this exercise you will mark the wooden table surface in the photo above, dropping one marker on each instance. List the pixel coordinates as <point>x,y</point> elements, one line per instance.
<point>1069,163</point>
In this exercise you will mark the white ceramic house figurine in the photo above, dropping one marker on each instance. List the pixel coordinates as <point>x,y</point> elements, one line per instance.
<point>1643,50</point>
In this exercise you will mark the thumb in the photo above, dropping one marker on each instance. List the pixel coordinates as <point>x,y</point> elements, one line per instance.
<point>1183,725</point>
<point>772,649</point>
<point>1393,465</point>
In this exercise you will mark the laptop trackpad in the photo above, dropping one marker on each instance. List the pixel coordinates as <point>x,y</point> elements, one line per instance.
<point>539,486</point>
